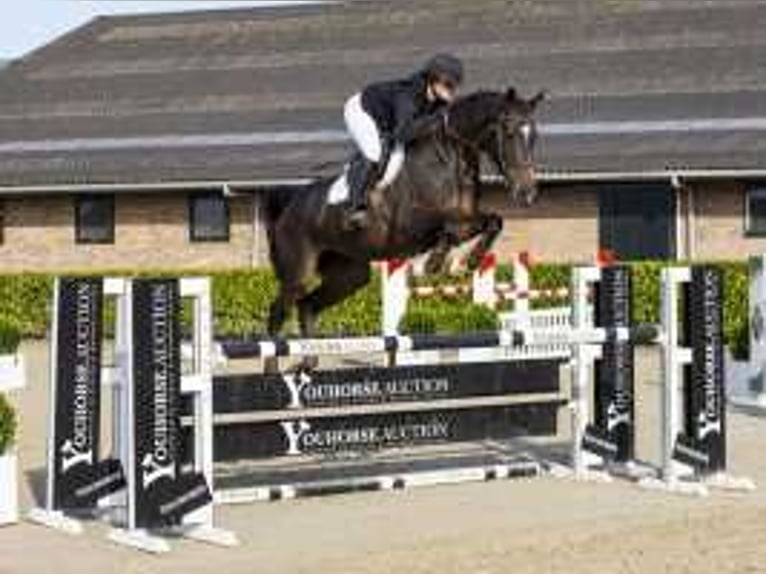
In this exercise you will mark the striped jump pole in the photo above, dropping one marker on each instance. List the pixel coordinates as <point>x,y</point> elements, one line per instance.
<point>289,347</point>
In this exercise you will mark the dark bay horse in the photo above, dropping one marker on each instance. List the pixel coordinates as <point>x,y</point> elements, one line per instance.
<point>433,205</point>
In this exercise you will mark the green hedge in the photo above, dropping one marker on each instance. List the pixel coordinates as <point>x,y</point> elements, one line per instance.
<point>7,424</point>
<point>241,300</point>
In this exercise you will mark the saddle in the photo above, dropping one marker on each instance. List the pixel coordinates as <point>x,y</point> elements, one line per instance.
<point>354,169</point>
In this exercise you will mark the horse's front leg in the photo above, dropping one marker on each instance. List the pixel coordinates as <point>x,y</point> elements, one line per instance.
<point>437,257</point>
<point>488,227</point>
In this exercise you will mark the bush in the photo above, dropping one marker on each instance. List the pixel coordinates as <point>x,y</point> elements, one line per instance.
<point>7,424</point>
<point>10,336</point>
<point>447,316</point>
<point>241,300</point>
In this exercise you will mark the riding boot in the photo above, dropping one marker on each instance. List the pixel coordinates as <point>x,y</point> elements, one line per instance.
<point>363,177</point>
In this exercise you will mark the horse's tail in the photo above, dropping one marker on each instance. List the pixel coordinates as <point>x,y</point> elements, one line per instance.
<point>274,204</point>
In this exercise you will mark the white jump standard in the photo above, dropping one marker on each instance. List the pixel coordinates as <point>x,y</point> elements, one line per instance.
<point>143,488</point>
<point>693,447</point>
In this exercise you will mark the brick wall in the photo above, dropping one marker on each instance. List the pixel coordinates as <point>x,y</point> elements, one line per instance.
<point>151,231</point>
<point>562,225</point>
<point>719,223</point>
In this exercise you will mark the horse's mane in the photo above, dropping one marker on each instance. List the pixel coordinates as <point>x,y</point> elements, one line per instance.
<point>471,114</point>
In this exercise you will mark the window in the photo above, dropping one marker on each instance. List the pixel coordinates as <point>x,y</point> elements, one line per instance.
<point>208,217</point>
<point>94,219</point>
<point>755,211</point>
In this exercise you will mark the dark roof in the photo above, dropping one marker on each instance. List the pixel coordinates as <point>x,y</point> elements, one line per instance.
<point>256,94</point>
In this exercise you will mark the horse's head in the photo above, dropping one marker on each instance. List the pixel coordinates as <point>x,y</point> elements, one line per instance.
<point>512,145</point>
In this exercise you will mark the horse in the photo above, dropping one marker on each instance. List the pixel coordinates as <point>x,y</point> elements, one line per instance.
<point>432,204</point>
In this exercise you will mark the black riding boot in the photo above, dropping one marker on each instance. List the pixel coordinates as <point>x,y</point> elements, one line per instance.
<point>361,177</point>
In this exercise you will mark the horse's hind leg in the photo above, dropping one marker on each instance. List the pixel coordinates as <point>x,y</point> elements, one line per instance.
<point>341,278</point>
<point>293,264</point>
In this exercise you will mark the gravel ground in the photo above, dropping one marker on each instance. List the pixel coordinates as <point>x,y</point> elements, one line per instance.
<point>537,525</point>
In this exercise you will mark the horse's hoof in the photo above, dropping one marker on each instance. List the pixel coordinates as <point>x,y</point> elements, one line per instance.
<point>433,267</point>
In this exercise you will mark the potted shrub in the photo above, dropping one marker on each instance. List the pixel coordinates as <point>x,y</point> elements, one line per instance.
<point>8,464</point>
<point>11,361</point>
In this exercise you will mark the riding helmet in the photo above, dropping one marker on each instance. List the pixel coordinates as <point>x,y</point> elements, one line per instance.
<point>447,66</point>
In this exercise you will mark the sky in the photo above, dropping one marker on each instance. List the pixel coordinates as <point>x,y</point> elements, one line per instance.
<point>28,24</point>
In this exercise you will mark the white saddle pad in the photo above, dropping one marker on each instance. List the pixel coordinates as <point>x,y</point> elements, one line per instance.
<point>339,191</point>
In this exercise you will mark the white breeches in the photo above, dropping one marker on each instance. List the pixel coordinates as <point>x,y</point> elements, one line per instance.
<point>363,129</point>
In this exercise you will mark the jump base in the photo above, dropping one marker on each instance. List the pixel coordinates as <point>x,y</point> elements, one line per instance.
<point>210,535</point>
<point>676,486</point>
<point>55,519</point>
<point>522,468</point>
<point>140,540</point>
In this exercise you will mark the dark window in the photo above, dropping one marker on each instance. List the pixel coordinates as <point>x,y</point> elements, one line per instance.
<point>94,219</point>
<point>755,212</point>
<point>208,217</point>
<point>637,221</point>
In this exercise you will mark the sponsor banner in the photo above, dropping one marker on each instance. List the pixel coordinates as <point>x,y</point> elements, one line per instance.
<point>327,435</point>
<point>163,495</point>
<point>705,399</point>
<point>377,385</point>
<point>80,478</point>
<point>614,414</point>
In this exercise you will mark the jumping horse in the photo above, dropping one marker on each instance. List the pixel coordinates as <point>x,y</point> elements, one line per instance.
<point>433,204</point>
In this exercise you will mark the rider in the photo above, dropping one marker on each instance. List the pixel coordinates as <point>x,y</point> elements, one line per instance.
<point>387,113</point>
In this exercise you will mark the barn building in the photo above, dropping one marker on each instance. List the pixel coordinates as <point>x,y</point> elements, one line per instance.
<point>149,140</point>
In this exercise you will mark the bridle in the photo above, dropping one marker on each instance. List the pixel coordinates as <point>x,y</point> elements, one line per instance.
<point>475,148</point>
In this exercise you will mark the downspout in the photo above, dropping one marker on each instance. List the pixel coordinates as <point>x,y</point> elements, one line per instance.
<point>690,224</point>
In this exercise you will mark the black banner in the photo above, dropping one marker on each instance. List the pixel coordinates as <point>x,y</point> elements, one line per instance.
<point>703,442</point>
<point>377,385</point>
<point>80,478</point>
<point>381,430</point>
<point>163,495</point>
<point>614,414</point>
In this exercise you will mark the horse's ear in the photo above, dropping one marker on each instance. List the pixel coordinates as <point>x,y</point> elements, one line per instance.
<point>539,97</point>
<point>511,95</point>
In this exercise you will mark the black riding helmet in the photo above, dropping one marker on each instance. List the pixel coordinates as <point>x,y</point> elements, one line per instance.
<point>445,67</point>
